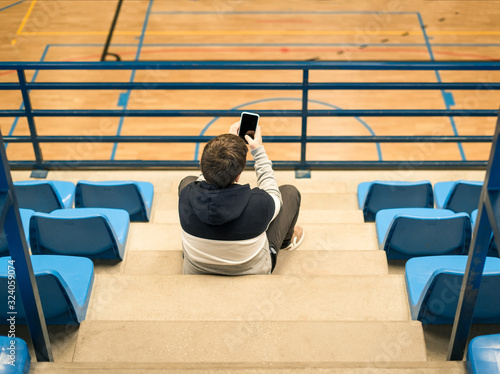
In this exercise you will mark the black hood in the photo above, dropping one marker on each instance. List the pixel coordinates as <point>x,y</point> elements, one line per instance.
<point>216,206</point>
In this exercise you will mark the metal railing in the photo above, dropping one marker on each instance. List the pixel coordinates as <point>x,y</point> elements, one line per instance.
<point>304,86</point>
<point>488,216</point>
<point>487,224</point>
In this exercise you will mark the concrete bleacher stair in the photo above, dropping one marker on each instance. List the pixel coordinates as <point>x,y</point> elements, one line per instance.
<point>332,306</point>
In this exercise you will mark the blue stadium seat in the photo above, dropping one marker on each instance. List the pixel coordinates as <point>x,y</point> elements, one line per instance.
<point>64,284</point>
<point>25,219</point>
<point>135,197</point>
<point>14,356</point>
<point>459,196</point>
<point>434,283</point>
<point>492,249</point>
<point>483,355</point>
<point>45,196</point>
<point>410,232</point>
<point>96,233</point>
<point>377,195</point>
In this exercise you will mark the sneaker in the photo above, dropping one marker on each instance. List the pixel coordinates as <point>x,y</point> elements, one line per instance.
<point>297,239</point>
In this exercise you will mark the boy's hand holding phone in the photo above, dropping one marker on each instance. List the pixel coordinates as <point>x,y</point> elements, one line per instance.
<point>256,142</point>
<point>247,128</point>
<point>248,125</point>
<point>235,128</point>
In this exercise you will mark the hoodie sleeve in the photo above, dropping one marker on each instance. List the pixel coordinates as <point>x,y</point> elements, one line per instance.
<point>265,177</point>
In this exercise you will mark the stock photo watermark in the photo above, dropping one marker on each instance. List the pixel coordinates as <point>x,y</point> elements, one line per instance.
<point>12,313</point>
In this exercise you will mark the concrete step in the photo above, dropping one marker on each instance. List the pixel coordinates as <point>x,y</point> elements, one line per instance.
<point>62,340</point>
<point>324,216</point>
<point>321,181</point>
<point>154,237</point>
<point>335,180</point>
<point>289,263</point>
<point>334,201</point>
<point>261,297</point>
<point>319,236</point>
<point>305,216</point>
<point>249,341</point>
<point>253,368</point>
<point>338,236</point>
<point>312,200</point>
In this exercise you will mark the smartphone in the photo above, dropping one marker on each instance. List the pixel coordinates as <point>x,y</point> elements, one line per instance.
<point>248,124</point>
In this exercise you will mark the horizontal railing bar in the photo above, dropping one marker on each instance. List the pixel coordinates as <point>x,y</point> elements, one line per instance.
<point>268,113</point>
<point>399,165</point>
<point>253,86</point>
<point>269,139</point>
<point>254,65</point>
<point>10,86</point>
<point>162,86</point>
<point>159,113</point>
<point>12,113</point>
<point>405,86</point>
<point>262,113</point>
<point>113,139</point>
<point>133,164</point>
<point>398,139</point>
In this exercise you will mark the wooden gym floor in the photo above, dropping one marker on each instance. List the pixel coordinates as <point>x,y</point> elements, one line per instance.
<point>75,30</point>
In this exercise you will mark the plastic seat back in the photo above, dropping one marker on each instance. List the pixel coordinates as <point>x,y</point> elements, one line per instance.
<point>117,195</point>
<point>25,219</point>
<point>418,236</point>
<point>441,299</point>
<point>64,283</point>
<point>55,302</point>
<point>88,236</point>
<point>464,197</point>
<point>387,195</point>
<point>39,197</point>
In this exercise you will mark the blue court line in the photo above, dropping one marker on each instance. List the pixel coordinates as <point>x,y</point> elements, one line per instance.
<point>222,12</point>
<point>11,5</point>
<point>123,100</point>
<point>241,106</point>
<point>33,79</point>
<point>447,96</point>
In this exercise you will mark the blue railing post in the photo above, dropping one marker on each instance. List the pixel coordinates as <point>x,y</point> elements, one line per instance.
<point>10,221</point>
<point>302,172</point>
<point>488,218</point>
<point>31,119</point>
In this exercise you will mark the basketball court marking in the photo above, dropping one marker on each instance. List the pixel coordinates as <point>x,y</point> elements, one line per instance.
<point>254,32</point>
<point>25,19</point>
<point>447,96</point>
<point>123,99</point>
<point>11,5</point>
<point>200,47</point>
<point>257,33</point>
<point>242,106</point>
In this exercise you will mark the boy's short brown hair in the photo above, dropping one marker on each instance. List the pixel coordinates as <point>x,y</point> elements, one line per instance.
<point>223,159</point>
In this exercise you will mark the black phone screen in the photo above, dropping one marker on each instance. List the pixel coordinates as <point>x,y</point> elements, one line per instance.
<point>248,125</point>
